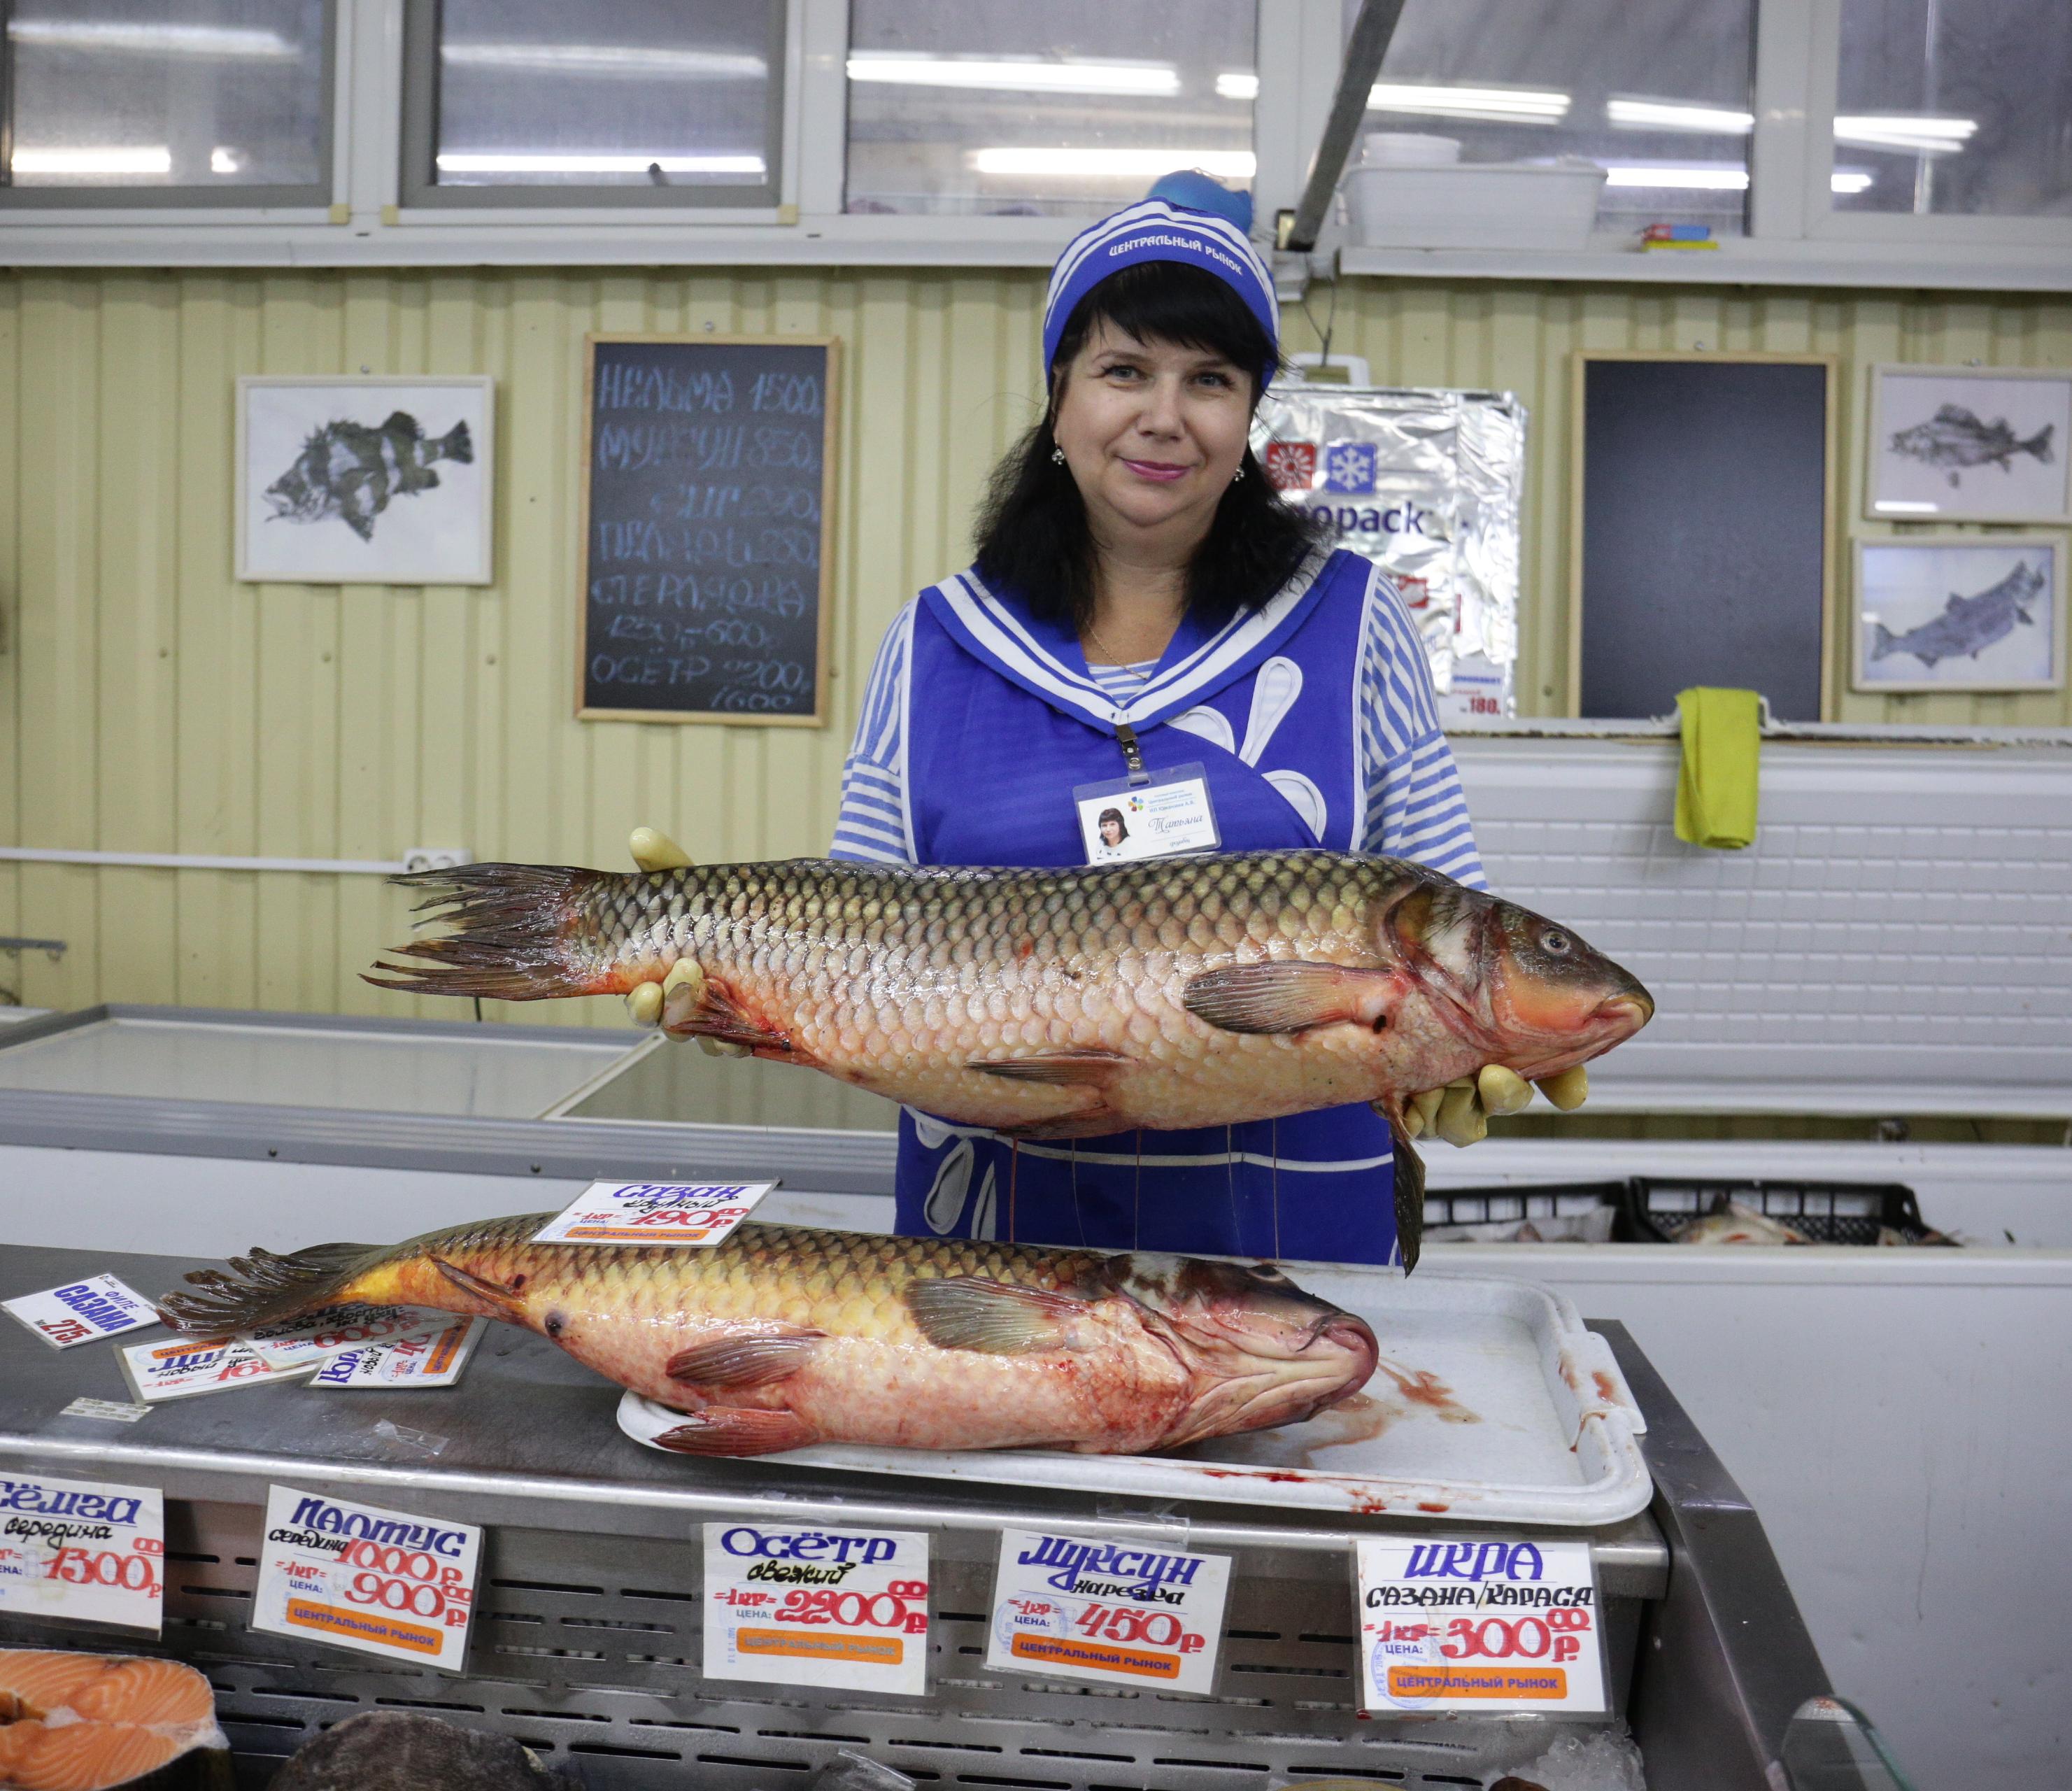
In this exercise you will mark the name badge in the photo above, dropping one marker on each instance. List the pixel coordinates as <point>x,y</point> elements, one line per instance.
<point>1167,814</point>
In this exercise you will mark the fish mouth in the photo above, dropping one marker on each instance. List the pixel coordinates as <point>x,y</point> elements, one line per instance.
<point>1334,1361</point>
<point>1628,1012</point>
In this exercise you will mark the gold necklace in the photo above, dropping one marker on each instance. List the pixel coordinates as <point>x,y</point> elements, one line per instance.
<point>1120,664</point>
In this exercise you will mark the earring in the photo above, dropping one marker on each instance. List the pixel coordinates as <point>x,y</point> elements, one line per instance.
<point>1057,457</point>
<point>1237,476</point>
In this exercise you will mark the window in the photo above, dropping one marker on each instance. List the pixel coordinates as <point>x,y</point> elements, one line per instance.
<point>1658,94</point>
<point>996,107</point>
<point>1960,106</point>
<point>188,102</point>
<point>614,102</point>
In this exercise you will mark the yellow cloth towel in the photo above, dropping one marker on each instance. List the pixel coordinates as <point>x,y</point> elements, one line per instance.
<point>1716,790</point>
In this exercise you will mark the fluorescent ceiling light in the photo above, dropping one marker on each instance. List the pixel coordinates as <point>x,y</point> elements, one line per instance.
<point>1693,179</point>
<point>1895,506</point>
<point>1849,180</point>
<point>1915,131</point>
<point>158,40</point>
<point>497,161</point>
<point>621,61</point>
<point>1235,86</point>
<point>1115,164</point>
<point>1674,115</point>
<point>1496,104</point>
<point>139,160</point>
<point>226,161</point>
<point>1017,75</point>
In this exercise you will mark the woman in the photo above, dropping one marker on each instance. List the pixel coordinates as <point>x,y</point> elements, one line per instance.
<point>1144,614</point>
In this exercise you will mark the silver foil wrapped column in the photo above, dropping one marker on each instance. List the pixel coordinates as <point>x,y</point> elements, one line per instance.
<point>1427,484</point>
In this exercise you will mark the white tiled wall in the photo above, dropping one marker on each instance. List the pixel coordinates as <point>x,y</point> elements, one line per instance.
<point>1897,940</point>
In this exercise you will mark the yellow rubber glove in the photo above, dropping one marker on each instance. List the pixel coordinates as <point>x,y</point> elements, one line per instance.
<point>1459,1113</point>
<point>671,1003</point>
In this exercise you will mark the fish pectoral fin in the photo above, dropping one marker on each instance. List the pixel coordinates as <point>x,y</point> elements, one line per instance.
<point>506,1304</point>
<point>1409,1180</point>
<point>993,1318</point>
<point>746,1358</point>
<point>1064,1069</point>
<point>1290,996</point>
<point>738,1431</point>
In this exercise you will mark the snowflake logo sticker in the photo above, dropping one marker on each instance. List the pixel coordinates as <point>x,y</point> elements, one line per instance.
<point>1291,466</point>
<point>1350,467</point>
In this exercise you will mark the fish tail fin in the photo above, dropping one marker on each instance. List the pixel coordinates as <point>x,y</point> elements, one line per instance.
<point>2039,444</point>
<point>1883,641</point>
<point>456,444</point>
<point>521,933</point>
<point>266,1289</point>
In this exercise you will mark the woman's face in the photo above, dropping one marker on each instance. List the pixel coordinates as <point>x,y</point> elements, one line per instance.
<point>1152,432</point>
<point>1111,830</point>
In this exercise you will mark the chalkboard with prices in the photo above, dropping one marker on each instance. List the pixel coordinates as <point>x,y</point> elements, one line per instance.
<point>708,481</point>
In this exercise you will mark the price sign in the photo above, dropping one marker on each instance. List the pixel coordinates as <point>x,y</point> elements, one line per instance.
<point>197,1364</point>
<point>677,1213</point>
<point>433,1359</point>
<point>356,1576</point>
<point>81,1549</point>
<point>98,1306</point>
<point>1115,1612</point>
<point>300,1343</point>
<point>1485,1626</point>
<point>801,1606</point>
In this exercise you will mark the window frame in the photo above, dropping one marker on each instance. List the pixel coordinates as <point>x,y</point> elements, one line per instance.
<point>1795,238</point>
<point>193,204</point>
<point>418,189</point>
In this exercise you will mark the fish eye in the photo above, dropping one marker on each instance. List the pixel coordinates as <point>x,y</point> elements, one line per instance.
<point>1556,942</point>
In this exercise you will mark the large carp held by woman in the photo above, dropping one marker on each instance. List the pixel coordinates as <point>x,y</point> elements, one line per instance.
<point>1055,1004</point>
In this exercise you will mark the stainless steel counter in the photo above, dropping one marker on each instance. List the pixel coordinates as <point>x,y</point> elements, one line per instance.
<point>586,1642</point>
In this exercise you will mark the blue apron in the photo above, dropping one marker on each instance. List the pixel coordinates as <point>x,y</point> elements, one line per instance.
<point>1003,721</point>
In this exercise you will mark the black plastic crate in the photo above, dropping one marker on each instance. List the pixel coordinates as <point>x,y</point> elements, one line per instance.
<point>1658,1209</point>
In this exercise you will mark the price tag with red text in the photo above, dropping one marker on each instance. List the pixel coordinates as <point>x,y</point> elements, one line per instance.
<point>806,1607</point>
<point>1126,1613</point>
<point>679,1213</point>
<point>98,1306</point>
<point>189,1365</point>
<point>356,1576</point>
<point>1491,1624</point>
<point>299,1342</point>
<point>81,1549</point>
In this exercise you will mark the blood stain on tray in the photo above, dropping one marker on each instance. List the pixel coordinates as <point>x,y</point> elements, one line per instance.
<point>1421,1387</point>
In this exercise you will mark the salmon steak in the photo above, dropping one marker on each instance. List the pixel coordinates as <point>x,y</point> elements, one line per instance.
<point>1055,1004</point>
<point>786,1335</point>
<point>93,1723</point>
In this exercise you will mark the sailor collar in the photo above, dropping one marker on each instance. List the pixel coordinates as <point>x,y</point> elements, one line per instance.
<point>1045,658</point>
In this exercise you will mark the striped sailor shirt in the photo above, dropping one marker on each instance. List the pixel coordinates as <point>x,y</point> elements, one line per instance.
<point>1414,807</point>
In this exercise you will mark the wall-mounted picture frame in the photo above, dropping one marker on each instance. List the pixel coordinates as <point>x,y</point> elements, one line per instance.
<point>1960,612</point>
<point>365,479</point>
<point>1969,444</point>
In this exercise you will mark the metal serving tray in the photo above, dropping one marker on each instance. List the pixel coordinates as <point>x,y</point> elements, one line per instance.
<point>1493,1404</point>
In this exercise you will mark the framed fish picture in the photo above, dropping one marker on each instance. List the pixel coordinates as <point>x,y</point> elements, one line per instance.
<point>1960,612</point>
<point>360,480</point>
<point>1969,444</point>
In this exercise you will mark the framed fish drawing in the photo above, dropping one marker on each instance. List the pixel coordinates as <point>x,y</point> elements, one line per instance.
<point>1960,612</point>
<point>1969,444</point>
<point>359,480</point>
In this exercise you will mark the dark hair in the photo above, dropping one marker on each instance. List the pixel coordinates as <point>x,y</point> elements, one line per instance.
<point>1115,815</point>
<point>1033,537</point>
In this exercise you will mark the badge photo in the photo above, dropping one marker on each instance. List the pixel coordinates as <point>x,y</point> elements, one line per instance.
<point>1168,814</point>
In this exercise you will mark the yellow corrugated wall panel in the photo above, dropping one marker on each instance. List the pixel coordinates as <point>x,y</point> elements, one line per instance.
<point>154,703</point>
